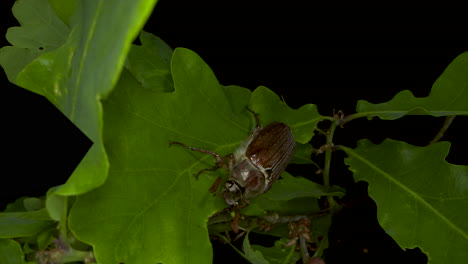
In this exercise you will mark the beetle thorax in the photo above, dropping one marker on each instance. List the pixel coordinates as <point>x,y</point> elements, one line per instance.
<point>249,177</point>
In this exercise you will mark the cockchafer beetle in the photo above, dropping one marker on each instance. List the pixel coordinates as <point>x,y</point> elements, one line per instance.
<point>256,164</point>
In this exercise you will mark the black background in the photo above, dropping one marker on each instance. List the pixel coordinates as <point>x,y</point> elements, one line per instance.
<point>331,57</point>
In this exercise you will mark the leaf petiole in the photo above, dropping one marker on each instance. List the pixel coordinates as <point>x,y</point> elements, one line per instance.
<point>348,118</point>
<point>448,121</point>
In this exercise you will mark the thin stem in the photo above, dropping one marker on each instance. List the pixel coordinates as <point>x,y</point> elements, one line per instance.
<point>328,155</point>
<point>343,148</point>
<point>290,254</point>
<point>322,246</point>
<point>447,123</point>
<point>237,250</point>
<point>304,251</point>
<point>329,118</point>
<point>321,131</point>
<point>346,119</point>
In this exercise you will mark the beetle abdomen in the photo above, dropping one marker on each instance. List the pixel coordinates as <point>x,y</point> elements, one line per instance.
<point>271,149</point>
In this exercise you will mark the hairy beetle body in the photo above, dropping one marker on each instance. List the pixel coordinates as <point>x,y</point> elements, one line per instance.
<point>256,164</point>
<point>259,161</point>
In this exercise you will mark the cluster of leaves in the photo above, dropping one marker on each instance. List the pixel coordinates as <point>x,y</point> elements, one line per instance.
<point>133,199</point>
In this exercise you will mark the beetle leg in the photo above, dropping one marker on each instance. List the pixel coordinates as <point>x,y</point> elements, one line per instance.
<point>214,154</point>
<point>215,186</point>
<point>235,222</point>
<point>221,162</point>
<point>209,169</point>
<point>224,162</point>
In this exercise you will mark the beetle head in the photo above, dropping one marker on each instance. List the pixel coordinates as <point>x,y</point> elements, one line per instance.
<point>247,178</point>
<point>232,193</point>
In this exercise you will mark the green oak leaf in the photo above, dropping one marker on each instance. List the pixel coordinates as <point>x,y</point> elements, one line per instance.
<point>41,31</point>
<point>24,224</point>
<point>46,237</point>
<point>253,255</point>
<point>33,204</point>
<point>56,204</point>
<point>291,196</point>
<point>151,208</point>
<point>421,199</point>
<point>261,205</point>
<point>16,206</point>
<point>79,66</point>
<point>303,154</point>
<point>319,229</point>
<point>65,10</point>
<point>278,254</point>
<point>150,63</point>
<point>11,252</point>
<point>294,187</point>
<point>449,96</point>
<point>302,122</point>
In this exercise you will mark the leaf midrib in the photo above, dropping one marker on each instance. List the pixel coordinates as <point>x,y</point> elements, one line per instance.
<point>415,195</point>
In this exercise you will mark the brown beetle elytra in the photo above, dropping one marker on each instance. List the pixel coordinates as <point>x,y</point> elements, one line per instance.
<point>257,162</point>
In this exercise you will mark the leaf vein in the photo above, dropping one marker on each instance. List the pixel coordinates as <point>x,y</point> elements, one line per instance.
<point>415,195</point>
